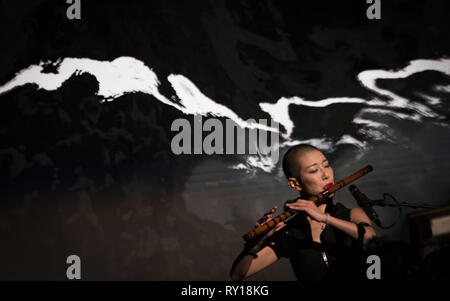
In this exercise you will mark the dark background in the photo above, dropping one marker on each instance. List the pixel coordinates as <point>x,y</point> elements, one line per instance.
<point>99,180</point>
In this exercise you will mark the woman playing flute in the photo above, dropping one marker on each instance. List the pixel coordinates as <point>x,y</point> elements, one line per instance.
<point>323,240</point>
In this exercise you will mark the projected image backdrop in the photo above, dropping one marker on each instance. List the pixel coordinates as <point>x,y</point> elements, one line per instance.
<point>87,125</point>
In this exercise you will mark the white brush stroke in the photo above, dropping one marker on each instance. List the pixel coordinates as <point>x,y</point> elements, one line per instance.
<point>129,75</point>
<point>442,89</point>
<point>279,110</point>
<point>430,99</point>
<point>193,102</point>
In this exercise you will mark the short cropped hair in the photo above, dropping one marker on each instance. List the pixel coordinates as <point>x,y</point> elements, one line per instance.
<point>290,162</point>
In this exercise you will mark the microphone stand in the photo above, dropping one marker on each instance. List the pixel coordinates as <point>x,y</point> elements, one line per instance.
<point>382,203</point>
<point>399,205</point>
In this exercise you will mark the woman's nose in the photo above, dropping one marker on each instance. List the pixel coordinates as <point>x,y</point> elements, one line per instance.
<point>325,174</point>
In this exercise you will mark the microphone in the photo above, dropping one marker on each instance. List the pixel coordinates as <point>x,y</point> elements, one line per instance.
<point>364,202</point>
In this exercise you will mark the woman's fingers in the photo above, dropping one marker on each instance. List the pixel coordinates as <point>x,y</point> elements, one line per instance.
<point>297,206</point>
<point>304,202</point>
<point>271,211</point>
<point>279,226</point>
<point>301,206</point>
<point>309,207</point>
<point>267,217</point>
<point>273,230</point>
<point>299,203</point>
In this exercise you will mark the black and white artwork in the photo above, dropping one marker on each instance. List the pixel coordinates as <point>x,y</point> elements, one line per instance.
<point>116,118</point>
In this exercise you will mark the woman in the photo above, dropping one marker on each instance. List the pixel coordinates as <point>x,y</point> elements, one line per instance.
<point>323,241</point>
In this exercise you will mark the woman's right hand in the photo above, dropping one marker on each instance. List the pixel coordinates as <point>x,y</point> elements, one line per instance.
<point>267,217</point>
<point>247,264</point>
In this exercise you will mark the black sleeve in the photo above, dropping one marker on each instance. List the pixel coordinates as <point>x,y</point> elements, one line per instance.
<point>341,212</point>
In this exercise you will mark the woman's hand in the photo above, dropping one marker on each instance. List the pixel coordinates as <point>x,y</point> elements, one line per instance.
<point>267,217</point>
<point>247,264</point>
<point>310,208</point>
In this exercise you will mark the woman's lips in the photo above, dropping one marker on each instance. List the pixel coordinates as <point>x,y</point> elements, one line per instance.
<point>328,186</point>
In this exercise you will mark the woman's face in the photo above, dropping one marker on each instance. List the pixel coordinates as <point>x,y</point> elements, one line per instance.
<point>315,174</point>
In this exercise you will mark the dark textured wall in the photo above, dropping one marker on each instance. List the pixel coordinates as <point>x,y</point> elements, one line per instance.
<point>99,180</point>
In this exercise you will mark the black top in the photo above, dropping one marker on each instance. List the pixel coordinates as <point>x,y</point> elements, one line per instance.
<point>338,256</point>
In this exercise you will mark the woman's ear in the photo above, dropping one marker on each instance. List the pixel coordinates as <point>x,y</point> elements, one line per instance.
<point>293,182</point>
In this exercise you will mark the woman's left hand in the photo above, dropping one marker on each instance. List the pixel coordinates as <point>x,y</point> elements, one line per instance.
<point>310,208</point>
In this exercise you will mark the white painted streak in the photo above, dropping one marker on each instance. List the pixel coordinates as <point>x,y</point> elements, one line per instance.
<point>368,79</point>
<point>129,75</point>
<point>442,88</point>
<point>193,102</point>
<point>413,117</point>
<point>430,99</point>
<point>279,111</point>
<point>347,139</point>
<point>369,123</point>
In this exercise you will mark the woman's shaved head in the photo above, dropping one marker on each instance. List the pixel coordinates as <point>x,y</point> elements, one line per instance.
<point>291,163</point>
